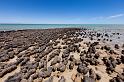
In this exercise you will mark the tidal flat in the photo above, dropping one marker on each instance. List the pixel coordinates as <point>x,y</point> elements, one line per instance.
<point>62,55</point>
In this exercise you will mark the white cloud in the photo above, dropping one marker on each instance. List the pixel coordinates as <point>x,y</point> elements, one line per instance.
<point>107,17</point>
<point>115,16</point>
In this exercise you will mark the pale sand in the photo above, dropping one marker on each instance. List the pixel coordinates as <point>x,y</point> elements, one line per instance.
<point>101,69</point>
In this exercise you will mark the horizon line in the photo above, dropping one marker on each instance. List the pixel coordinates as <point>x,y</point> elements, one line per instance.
<point>60,23</point>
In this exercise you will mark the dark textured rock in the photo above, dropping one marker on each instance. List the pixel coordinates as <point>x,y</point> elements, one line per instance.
<point>61,67</point>
<point>62,79</point>
<point>82,69</point>
<point>92,74</point>
<point>65,61</point>
<point>98,77</point>
<point>55,53</point>
<point>71,65</point>
<point>7,70</point>
<point>82,58</point>
<point>56,60</point>
<point>118,61</point>
<point>14,78</point>
<point>107,48</point>
<point>65,55</point>
<point>88,79</point>
<point>34,76</point>
<point>111,52</point>
<point>46,73</point>
<point>122,51</point>
<point>24,61</point>
<point>122,59</point>
<point>112,80</point>
<point>96,55</point>
<point>54,68</point>
<point>116,46</point>
<point>77,62</point>
<point>29,73</point>
<point>72,58</point>
<point>91,49</point>
<point>41,64</point>
<point>64,47</point>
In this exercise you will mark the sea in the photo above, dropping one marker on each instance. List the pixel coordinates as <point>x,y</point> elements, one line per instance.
<point>9,27</point>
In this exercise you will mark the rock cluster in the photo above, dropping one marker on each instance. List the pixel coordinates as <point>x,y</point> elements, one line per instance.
<point>40,54</point>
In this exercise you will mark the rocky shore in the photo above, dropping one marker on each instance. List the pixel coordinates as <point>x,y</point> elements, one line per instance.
<point>61,55</point>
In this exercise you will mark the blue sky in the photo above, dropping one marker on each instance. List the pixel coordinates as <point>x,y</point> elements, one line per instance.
<point>62,11</point>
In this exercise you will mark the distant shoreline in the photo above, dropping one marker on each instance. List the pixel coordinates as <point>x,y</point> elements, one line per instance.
<point>8,27</point>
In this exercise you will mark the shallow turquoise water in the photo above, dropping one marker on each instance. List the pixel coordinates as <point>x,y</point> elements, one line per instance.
<point>6,27</point>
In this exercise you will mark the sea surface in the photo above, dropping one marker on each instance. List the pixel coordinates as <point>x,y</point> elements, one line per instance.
<point>8,27</point>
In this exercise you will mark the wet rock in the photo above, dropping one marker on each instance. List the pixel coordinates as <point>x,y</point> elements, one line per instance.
<point>77,62</point>
<point>118,60</point>
<point>98,39</point>
<point>24,70</point>
<point>55,53</point>
<point>65,55</point>
<point>120,77</point>
<point>110,64</point>
<point>94,44</point>
<point>92,74</point>
<point>88,79</point>
<point>82,69</point>
<point>24,61</point>
<point>82,58</point>
<point>56,60</point>
<point>72,58</point>
<point>30,72</point>
<point>92,61</point>
<point>122,51</point>
<point>96,55</point>
<point>122,58</point>
<point>98,77</point>
<point>71,65</point>
<point>7,70</point>
<point>112,52</point>
<point>114,63</point>
<point>110,40</point>
<point>14,78</point>
<point>34,76</point>
<point>47,73</point>
<point>64,47</point>
<point>4,58</point>
<point>106,35</point>
<point>54,68</point>
<point>107,48</point>
<point>65,61</point>
<point>41,64</point>
<point>43,74</point>
<point>91,49</point>
<point>19,60</point>
<point>116,46</point>
<point>11,54</point>
<point>62,79</point>
<point>112,80</point>
<point>61,67</point>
